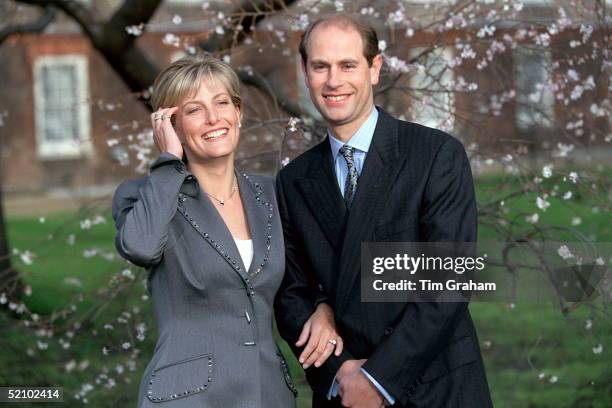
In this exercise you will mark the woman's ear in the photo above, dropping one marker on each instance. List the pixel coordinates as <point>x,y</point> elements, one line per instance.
<point>239,112</point>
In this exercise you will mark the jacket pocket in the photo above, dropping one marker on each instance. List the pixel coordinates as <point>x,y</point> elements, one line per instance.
<point>181,379</point>
<point>286,373</point>
<point>459,353</point>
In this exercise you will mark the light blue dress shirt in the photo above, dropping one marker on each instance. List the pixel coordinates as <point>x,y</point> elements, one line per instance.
<point>361,141</point>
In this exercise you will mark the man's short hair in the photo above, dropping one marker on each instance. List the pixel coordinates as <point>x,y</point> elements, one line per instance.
<point>345,20</point>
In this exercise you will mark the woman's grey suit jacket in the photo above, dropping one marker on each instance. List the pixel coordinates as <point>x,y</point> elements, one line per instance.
<point>215,345</point>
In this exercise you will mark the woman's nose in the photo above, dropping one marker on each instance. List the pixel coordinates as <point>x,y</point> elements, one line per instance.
<point>212,117</point>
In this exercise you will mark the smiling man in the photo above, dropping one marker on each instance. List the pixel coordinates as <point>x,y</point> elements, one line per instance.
<point>374,178</point>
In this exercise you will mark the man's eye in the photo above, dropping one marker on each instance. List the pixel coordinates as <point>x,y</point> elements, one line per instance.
<point>223,102</point>
<point>350,66</point>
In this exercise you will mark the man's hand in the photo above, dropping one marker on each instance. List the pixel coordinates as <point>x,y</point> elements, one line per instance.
<point>323,338</point>
<point>355,389</point>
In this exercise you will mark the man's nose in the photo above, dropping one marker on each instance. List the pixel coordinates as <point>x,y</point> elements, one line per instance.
<point>334,78</point>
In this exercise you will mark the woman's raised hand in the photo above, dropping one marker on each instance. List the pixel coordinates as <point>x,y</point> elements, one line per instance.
<point>164,135</point>
<point>323,338</point>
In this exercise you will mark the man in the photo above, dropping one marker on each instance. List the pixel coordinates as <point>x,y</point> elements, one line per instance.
<point>374,178</point>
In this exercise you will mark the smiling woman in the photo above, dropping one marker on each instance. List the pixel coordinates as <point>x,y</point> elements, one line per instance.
<point>212,241</point>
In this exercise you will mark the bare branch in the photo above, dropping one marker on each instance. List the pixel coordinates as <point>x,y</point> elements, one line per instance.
<point>112,40</point>
<point>36,26</point>
<point>247,14</point>
<point>273,89</point>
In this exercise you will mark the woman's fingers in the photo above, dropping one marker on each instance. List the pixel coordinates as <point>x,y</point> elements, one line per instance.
<point>318,343</point>
<point>327,351</point>
<point>339,346</point>
<point>304,334</point>
<point>164,134</point>
<point>313,342</point>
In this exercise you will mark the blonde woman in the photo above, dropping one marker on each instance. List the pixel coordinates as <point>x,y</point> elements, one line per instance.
<point>212,242</point>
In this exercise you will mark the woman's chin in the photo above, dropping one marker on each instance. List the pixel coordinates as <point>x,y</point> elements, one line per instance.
<point>213,154</point>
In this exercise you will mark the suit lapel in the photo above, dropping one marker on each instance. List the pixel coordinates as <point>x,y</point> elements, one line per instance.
<point>321,193</point>
<point>379,172</point>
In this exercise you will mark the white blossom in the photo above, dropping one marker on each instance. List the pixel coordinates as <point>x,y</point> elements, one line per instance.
<point>177,20</point>
<point>542,204</point>
<point>573,176</point>
<point>564,252</point>
<point>598,349</point>
<point>172,40</point>
<point>71,365</point>
<point>547,171</point>
<point>135,30</point>
<point>486,31</point>
<point>27,257</point>
<point>533,218</point>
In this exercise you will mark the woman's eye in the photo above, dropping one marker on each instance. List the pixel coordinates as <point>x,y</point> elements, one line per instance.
<point>223,102</point>
<point>192,110</point>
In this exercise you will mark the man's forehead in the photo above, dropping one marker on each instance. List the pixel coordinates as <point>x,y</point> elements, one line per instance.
<point>325,45</point>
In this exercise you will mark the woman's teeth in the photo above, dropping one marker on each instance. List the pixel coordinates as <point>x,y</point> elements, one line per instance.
<point>215,134</point>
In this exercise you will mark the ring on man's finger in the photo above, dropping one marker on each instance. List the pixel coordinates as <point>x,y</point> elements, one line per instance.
<point>333,342</point>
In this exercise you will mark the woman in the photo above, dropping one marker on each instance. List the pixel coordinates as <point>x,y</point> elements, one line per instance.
<point>211,239</point>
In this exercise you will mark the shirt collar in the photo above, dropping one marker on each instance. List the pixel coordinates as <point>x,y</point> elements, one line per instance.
<point>361,140</point>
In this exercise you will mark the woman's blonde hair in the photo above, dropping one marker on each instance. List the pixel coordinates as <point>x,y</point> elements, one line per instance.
<point>182,78</point>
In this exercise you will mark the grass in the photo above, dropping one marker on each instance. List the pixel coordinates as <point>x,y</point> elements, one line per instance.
<point>535,356</point>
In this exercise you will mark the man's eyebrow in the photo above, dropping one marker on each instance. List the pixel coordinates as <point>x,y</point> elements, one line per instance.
<point>344,61</point>
<point>319,62</point>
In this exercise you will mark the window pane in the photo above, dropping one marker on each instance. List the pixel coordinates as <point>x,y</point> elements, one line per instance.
<point>534,98</point>
<point>60,102</point>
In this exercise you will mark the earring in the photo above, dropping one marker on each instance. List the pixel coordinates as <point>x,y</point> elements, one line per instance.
<point>239,125</point>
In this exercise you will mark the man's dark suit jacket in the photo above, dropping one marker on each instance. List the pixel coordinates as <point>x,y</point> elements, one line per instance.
<point>415,185</point>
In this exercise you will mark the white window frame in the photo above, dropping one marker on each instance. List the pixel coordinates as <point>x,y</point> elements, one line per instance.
<point>534,108</point>
<point>442,114</point>
<point>63,149</point>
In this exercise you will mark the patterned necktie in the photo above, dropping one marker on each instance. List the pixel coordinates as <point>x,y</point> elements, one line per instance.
<point>350,186</point>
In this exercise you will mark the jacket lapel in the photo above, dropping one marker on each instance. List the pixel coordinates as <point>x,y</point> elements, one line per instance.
<point>321,193</point>
<point>259,213</point>
<point>381,167</point>
<point>202,215</point>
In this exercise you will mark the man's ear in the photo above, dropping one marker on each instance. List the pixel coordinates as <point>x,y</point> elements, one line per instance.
<point>304,72</point>
<point>377,62</point>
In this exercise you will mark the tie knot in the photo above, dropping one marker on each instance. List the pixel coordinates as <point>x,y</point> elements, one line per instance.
<point>347,151</point>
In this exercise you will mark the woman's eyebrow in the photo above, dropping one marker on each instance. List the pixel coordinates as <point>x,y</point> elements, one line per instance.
<point>198,101</point>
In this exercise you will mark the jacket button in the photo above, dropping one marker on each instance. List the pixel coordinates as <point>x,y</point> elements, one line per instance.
<point>388,331</point>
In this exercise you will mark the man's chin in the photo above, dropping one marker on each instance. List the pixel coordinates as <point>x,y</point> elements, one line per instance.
<point>335,118</point>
